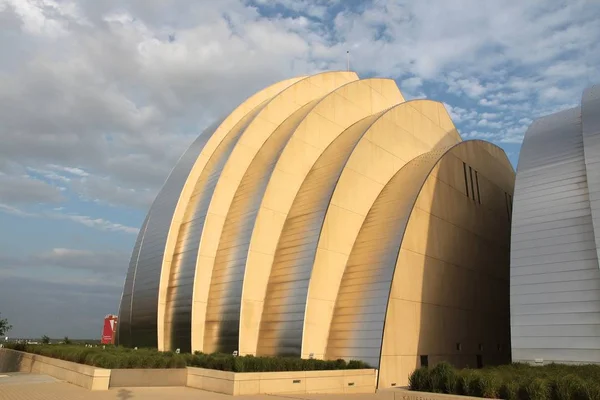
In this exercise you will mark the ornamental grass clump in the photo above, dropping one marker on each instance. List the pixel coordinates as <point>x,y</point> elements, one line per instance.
<point>512,382</point>
<point>118,357</point>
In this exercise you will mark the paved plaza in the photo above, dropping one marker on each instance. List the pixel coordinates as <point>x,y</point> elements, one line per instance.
<point>23,386</point>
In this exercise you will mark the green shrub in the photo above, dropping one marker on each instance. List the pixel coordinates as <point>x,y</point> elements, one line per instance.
<point>119,357</point>
<point>567,387</point>
<point>535,389</point>
<point>443,378</point>
<point>486,385</point>
<point>420,380</point>
<point>464,382</point>
<point>509,390</point>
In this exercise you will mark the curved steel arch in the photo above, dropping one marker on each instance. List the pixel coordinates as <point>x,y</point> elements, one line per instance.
<point>142,294</point>
<point>362,311</point>
<point>145,264</point>
<point>357,325</point>
<point>328,120</point>
<point>590,127</point>
<point>182,268</point>
<point>555,280</point>
<point>285,301</point>
<point>399,136</point>
<point>279,108</point>
<point>224,299</point>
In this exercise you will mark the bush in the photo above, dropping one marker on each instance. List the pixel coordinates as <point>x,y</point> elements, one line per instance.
<point>118,357</point>
<point>512,382</point>
<point>443,378</point>
<point>536,389</point>
<point>420,380</point>
<point>509,391</point>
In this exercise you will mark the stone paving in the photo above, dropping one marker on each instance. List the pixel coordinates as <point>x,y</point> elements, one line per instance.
<point>21,386</point>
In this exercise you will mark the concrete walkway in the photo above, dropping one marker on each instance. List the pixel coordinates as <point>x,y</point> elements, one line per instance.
<point>20,386</point>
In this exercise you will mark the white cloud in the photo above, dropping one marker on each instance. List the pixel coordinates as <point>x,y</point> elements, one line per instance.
<point>97,223</point>
<point>488,103</point>
<point>5,208</point>
<point>411,84</point>
<point>489,124</point>
<point>58,214</point>
<point>21,189</point>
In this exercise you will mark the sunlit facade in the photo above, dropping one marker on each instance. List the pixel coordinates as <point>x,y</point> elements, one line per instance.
<point>327,217</point>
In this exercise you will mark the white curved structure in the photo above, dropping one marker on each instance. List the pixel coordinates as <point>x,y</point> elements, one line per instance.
<point>555,280</point>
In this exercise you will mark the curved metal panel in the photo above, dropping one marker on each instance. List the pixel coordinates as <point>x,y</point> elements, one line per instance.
<point>285,302</point>
<point>334,114</point>
<point>451,273</point>
<point>224,299</point>
<point>178,308</point>
<point>403,132</point>
<point>279,108</point>
<point>123,334</point>
<point>147,265</point>
<point>590,121</point>
<point>553,250</point>
<point>217,137</point>
<point>356,330</point>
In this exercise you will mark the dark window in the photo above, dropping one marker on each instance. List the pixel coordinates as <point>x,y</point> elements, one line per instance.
<point>458,347</point>
<point>499,347</point>
<point>480,346</point>
<point>472,186</point>
<point>424,361</point>
<point>507,198</point>
<point>479,361</point>
<point>477,184</point>
<point>466,181</point>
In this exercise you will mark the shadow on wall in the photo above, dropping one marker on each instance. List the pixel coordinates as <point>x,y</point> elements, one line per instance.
<point>464,313</point>
<point>11,361</point>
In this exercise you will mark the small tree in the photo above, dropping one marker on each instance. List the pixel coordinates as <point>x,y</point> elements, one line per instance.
<point>45,339</point>
<point>67,340</point>
<point>4,326</point>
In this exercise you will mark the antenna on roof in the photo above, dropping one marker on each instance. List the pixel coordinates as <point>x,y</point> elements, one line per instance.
<point>348,58</point>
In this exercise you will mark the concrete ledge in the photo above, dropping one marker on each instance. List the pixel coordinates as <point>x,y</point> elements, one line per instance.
<point>231,383</point>
<point>211,380</point>
<point>78,374</point>
<point>289,382</point>
<point>148,377</point>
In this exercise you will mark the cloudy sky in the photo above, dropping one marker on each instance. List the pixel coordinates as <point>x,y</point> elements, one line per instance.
<point>98,99</point>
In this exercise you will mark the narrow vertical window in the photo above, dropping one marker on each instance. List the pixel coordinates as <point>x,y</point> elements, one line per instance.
<point>477,184</point>
<point>466,181</point>
<point>424,361</point>
<point>472,185</point>
<point>479,361</point>
<point>506,199</point>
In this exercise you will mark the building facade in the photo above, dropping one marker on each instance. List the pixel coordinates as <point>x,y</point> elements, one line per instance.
<point>555,280</point>
<point>327,217</point>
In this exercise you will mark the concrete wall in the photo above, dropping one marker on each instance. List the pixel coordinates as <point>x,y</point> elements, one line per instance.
<point>148,377</point>
<point>78,374</point>
<point>293,382</point>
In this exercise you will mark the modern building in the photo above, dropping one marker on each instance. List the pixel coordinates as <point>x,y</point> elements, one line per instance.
<point>327,217</point>
<point>555,280</point>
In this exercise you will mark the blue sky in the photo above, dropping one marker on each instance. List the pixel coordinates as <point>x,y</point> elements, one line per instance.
<point>98,99</point>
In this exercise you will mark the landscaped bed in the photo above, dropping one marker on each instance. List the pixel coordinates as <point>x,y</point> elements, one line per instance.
<point>514,381</point>
<point>112,357</point>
